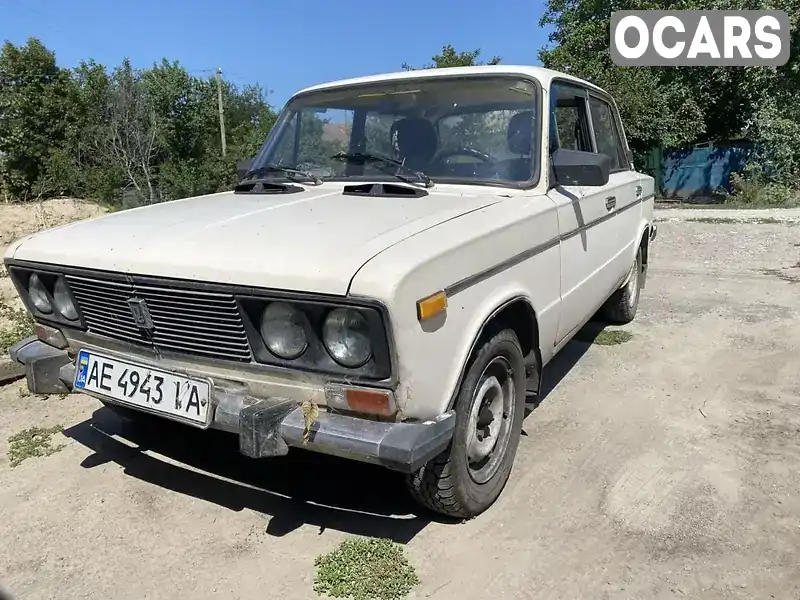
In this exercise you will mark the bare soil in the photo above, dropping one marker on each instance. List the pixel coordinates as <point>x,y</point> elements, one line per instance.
<point>664,467</point>
<point>20,220</point>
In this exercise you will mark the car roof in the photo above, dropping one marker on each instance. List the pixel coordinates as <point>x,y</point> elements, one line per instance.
<point>544,76</point>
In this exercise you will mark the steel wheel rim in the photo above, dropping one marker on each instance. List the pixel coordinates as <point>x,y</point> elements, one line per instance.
<point>633,283</point>
<point>490,420</point>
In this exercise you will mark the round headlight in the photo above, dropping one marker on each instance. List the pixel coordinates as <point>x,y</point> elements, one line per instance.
<point>346,337</point>
<point>283,331</point>
<point>38,295</point>
<point>63,301</point>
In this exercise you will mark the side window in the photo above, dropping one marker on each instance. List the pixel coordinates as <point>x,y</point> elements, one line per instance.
<point>607,135</point>
<point>569,124</point>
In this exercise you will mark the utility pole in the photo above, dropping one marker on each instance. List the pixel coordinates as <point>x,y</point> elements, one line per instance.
<point>221,112</point>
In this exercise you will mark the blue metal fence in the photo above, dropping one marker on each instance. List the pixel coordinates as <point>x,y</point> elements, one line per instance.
<point>700,170</point>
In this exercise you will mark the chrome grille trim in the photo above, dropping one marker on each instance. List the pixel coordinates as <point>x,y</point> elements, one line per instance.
<point>187,321</point>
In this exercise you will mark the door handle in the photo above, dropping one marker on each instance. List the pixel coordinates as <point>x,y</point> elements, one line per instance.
<point>611,202</point>
<point>638,191</point>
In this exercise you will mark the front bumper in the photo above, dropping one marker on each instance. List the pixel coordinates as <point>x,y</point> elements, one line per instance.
<point>269,426</point>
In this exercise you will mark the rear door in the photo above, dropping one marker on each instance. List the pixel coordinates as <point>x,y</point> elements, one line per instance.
<point>592,238</point>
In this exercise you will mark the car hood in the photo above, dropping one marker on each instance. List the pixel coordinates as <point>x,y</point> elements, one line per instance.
<point>313,241</point>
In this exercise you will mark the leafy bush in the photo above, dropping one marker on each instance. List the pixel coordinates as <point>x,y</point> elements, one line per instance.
<point>752,188</point>
<point>91,132</point>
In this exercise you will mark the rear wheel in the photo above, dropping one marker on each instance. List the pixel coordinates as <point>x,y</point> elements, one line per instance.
<point>621,307</point>
<point>469,476</point>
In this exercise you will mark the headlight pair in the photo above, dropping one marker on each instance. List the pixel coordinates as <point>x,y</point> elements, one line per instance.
<point>345,334</point>
<point>47,299</point>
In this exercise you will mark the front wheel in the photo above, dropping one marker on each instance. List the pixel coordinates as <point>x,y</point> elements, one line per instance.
<point>469,476</point>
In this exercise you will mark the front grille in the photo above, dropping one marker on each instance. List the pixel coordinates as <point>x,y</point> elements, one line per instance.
<point>185,320</point>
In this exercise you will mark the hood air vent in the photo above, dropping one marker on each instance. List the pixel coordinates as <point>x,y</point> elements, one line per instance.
<point>384,190</point>
<point>264,187</point>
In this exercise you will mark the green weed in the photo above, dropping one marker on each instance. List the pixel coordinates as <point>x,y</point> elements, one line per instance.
<point>20,325</point>
<point>32,442</point>
<point>365,569</point>
<point>612,337</point>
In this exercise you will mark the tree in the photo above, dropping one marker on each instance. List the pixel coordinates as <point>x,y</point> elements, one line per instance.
<point>35,96</point>
<point>655,110</point>
<point>135,134</point>
<point>676,106</point>
<point>250,119</point>
<point>472,128</point>
<point>89,172</point>
<point>448,57</point>
<point>90,132</point>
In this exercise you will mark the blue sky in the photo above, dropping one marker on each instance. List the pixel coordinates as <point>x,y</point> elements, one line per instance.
<point>285,45</point>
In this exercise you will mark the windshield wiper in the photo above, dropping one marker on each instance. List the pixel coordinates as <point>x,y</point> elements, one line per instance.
<point>293,174</point>
<point>384,163</point>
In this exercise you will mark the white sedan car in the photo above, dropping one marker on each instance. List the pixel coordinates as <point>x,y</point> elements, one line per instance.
<point>386,283</point>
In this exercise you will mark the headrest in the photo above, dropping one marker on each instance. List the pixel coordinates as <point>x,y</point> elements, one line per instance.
<point>416,139</point>
<point>520,133</point>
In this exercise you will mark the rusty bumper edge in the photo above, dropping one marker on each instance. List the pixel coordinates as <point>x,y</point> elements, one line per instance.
<point>267,427</point>
<point>43,366</point>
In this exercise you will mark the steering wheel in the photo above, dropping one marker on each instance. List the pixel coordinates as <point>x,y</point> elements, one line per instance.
<point>445,154</point>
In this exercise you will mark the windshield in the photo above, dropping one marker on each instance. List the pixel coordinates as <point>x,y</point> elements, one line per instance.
<point>464,130</point>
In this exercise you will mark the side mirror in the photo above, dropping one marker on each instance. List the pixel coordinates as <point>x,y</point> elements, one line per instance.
<point>242,166</point>
<point>574,167</point>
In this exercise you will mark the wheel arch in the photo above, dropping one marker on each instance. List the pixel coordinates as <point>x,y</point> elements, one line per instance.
<point>516,313</point>
<point>643,241</point>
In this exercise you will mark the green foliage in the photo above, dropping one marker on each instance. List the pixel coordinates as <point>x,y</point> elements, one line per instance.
<point>19,325</point>
<point>365,569</point>
<point>35,101</point>
<point>32,442</point>
<point>753,189</point>
<point>612,337</point>
<point>126,136</point>
<point>450,58</point>
<point>122,136</point>
<point>675,106</point>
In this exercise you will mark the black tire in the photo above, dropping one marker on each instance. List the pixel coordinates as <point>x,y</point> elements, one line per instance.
<point>621,307</point>
<point>447,484</point>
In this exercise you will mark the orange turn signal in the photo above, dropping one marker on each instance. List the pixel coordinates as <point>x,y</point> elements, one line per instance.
<point>369,402</point>
<point>361,400</point>
<point>431,306</point>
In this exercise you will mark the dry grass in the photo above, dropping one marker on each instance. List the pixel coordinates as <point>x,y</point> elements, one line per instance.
<point>20,219</point>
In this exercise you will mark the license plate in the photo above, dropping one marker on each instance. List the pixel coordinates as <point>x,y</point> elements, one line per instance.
<point>152,390</point>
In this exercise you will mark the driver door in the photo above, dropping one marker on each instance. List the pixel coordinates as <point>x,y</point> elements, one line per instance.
<point>590,244</point>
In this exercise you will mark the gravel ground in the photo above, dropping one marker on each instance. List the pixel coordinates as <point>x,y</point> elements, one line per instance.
<point>666,467</point>
<point>785,215</point>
